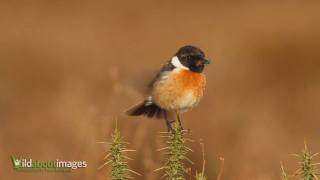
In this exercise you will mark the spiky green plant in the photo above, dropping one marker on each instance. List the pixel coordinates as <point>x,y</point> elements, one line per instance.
<point>117,159</point>
<point>176,151</point>
<point>174,167</point>
<point>200,176</point>
<point>307,169</point>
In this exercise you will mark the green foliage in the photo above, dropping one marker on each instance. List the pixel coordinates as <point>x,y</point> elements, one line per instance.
<point>308,169</point>
<point>176,150</point>
<point>118,165</point>
<point>117,159</point>
<point>200,176</point>
<point>174,167</point>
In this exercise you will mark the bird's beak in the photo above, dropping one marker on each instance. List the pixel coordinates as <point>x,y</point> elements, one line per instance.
<point>206,61</point>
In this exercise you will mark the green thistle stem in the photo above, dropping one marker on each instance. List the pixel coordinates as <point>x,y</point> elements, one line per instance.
<point>116,158</point>
<point>118,165</point>
<point>307,167</point>
<point>174,167</point>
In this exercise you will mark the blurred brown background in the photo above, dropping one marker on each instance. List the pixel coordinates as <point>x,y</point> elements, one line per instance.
<point>70,68</point>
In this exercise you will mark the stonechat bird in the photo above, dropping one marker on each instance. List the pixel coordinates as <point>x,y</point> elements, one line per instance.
<point>178,87</point>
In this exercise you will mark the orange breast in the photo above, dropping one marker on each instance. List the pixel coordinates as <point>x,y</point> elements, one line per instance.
<point>190,80</point>
<point>182,89</point>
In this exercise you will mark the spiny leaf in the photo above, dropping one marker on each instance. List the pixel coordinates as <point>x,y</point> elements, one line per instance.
<point>117,159</point>
<point>176,151</point>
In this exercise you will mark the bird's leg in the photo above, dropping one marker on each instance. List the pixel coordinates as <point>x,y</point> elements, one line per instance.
<point>165,115</point>
<point>178,117</point>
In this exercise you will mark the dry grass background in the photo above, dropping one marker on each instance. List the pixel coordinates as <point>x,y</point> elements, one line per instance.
<point>69,68</point>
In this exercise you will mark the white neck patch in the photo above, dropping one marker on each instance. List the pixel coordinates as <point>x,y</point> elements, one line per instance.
<point>176,63</point>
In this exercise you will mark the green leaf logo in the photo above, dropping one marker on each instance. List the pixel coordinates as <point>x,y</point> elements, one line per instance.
<point>16,163</point>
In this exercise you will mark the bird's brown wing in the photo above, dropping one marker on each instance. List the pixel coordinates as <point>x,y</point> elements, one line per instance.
<point>167,68</point>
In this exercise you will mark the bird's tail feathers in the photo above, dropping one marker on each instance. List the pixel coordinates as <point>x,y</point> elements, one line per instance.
<point>145,108</point>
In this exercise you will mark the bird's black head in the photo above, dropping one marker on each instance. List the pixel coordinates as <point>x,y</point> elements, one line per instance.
<point>191,57</point>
